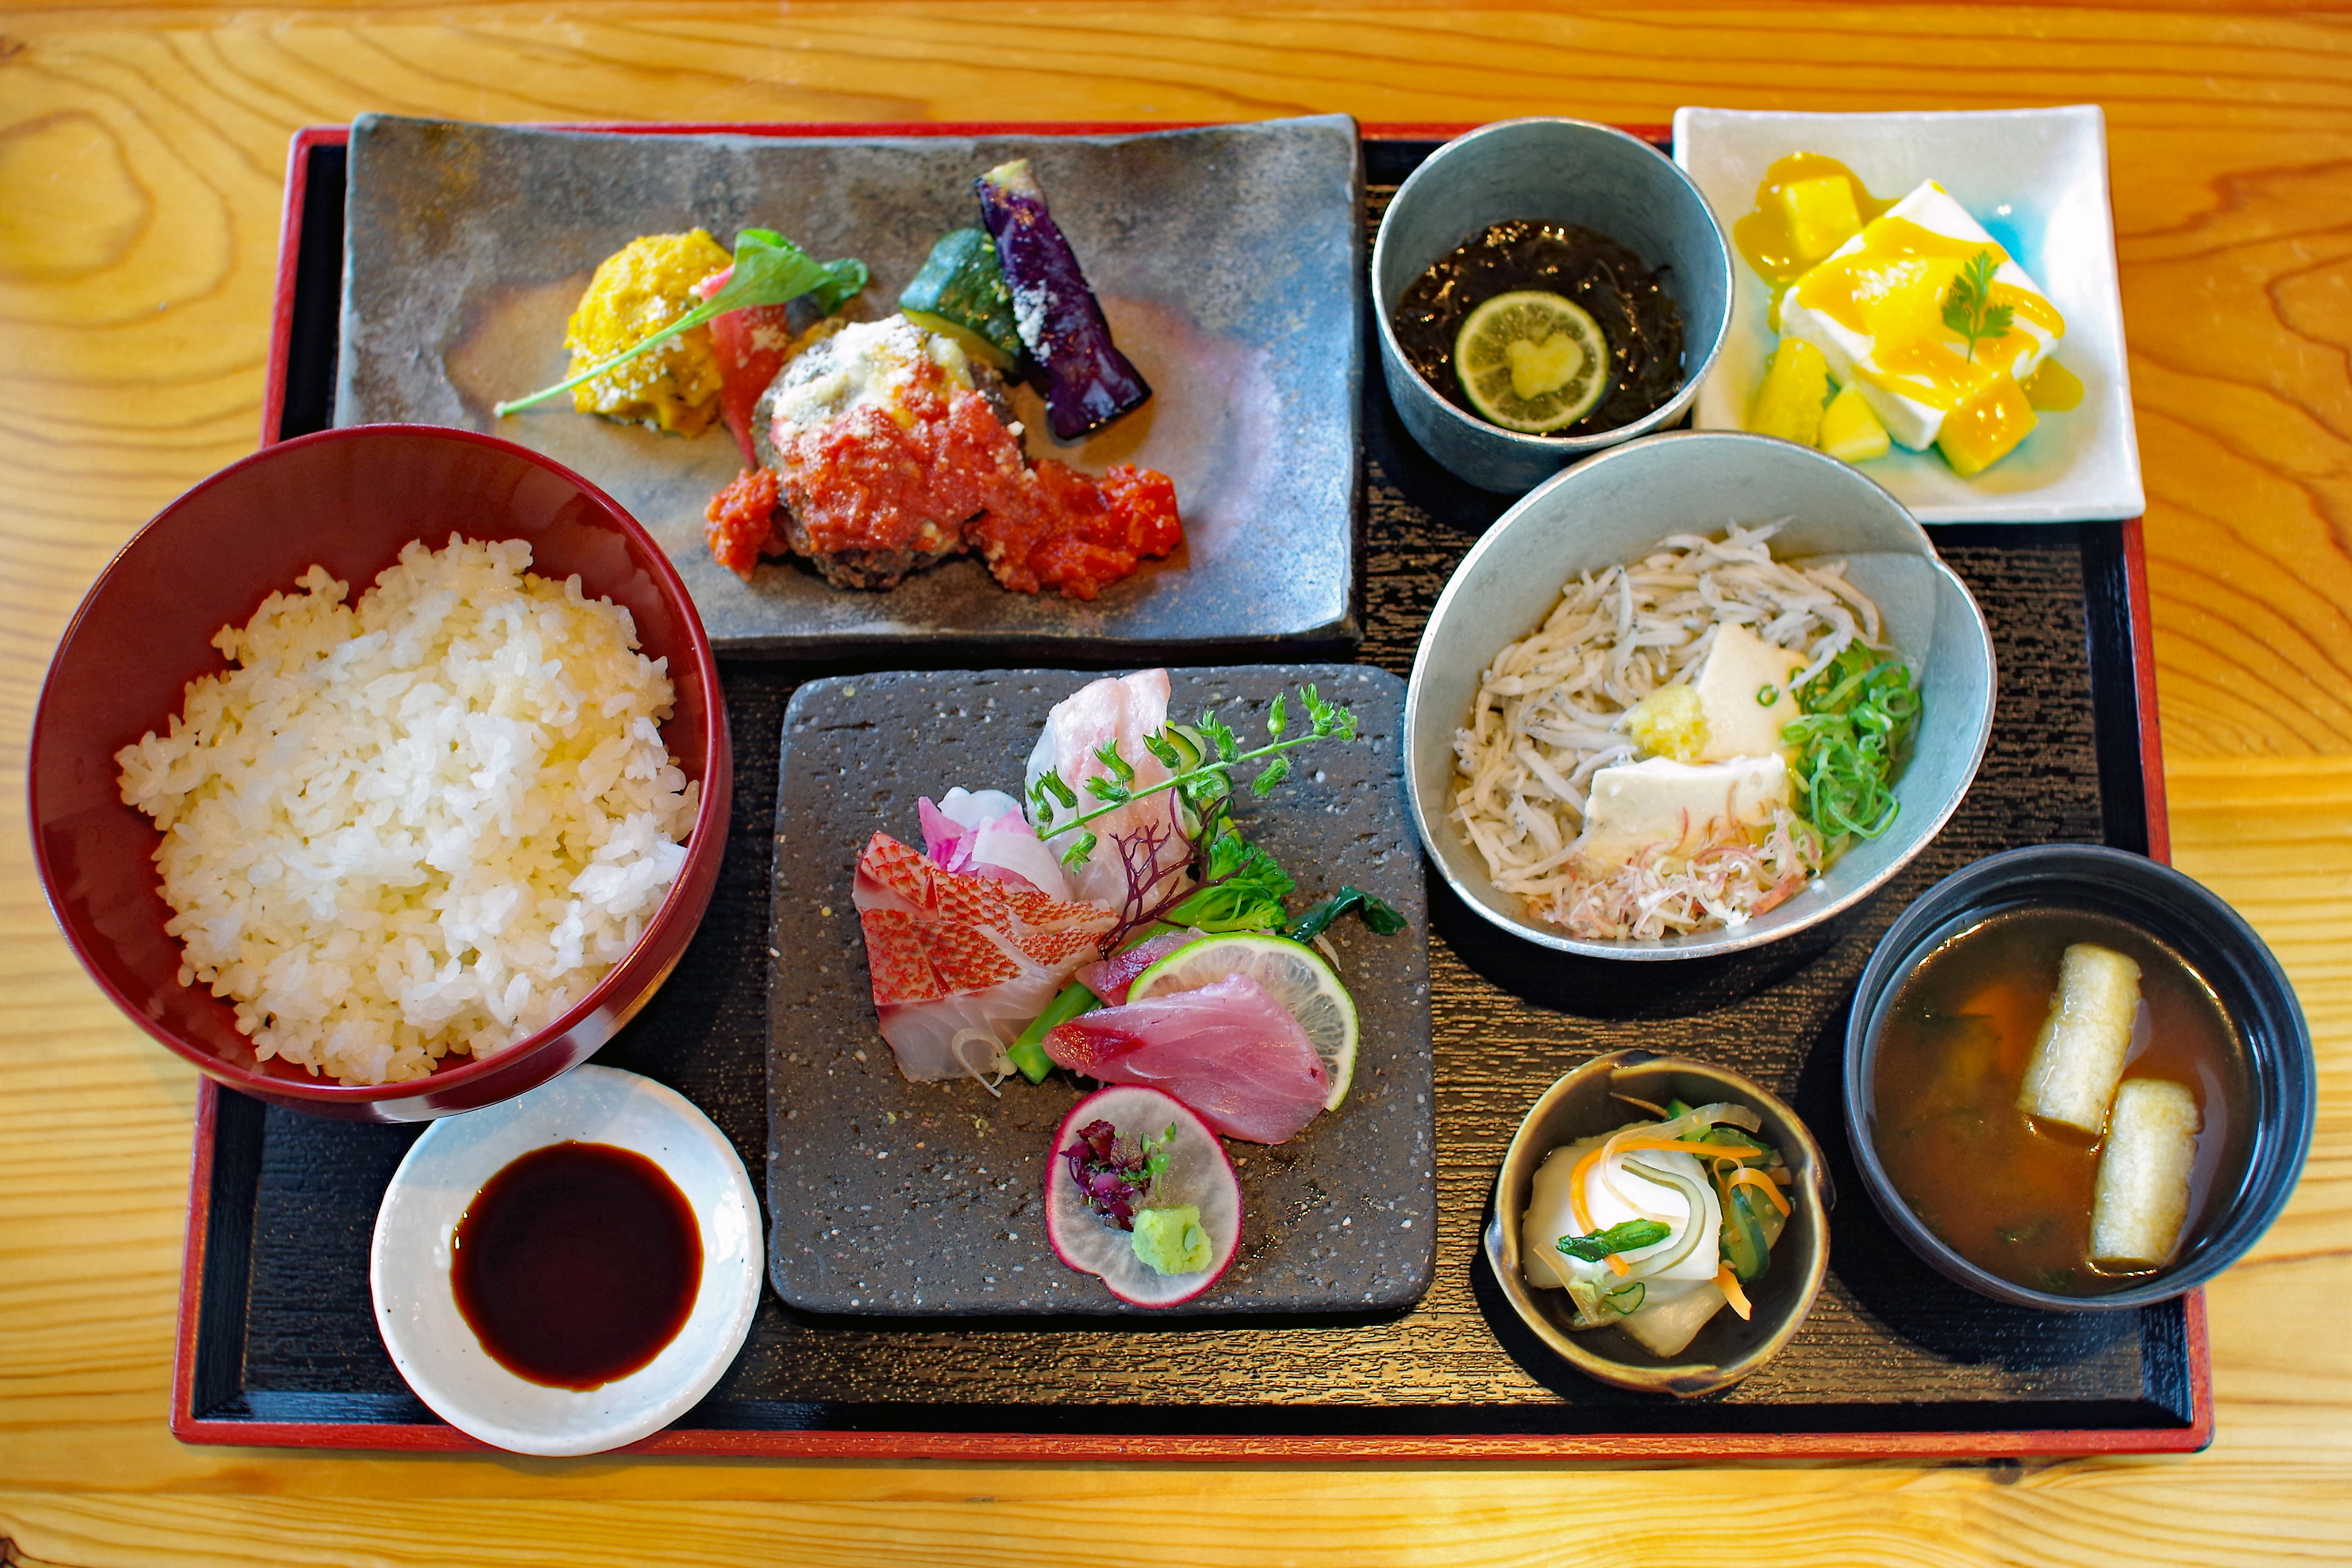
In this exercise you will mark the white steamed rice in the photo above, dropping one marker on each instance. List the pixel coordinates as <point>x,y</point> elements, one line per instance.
<point>423,825</point>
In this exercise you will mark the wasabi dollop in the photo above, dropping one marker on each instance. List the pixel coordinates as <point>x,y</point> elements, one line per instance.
<point>1171,1240</point>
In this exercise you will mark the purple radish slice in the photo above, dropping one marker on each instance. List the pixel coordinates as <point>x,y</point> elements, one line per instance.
<point>1089,382</point>
<point>1197,1174</point>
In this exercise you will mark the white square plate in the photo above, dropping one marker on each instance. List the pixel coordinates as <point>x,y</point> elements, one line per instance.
<point>2037,179</point>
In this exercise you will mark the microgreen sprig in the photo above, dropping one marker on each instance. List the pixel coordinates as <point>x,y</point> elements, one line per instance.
<point>768,270</point>
<point>1969,309</point>
<point>1199,783</point>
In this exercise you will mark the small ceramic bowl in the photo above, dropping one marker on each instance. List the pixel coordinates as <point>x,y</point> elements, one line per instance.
<point>416,1311</point>
<point>2255,994</point>
<point>1728,1348</point>
<point>346,499</point>
<point>1562,171</point>
<point>1613,508</point>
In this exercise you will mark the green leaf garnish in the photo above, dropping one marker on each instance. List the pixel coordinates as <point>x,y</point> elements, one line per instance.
<point>1627,1237</point>
<point>768,270</point>
<point>1246,889</point>
<point>1969,309</point>
<point>1107,756</point>
<point>1380,918</point>
<point>1157,1151</point>
<point>1199,784</point>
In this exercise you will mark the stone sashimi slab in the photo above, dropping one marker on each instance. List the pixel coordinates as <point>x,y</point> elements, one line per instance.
<point>910,1199</point>
<point>1229,261</point>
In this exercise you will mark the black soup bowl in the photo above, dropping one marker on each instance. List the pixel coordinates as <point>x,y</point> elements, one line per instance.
<point>2258,1170</point>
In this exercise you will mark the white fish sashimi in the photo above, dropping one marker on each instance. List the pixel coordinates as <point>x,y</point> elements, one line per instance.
<point>983,833</point>
<point>1126,709</point>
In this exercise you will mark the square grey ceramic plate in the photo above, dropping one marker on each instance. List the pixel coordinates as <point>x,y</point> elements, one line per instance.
<point>886,1196</point>
<point>1228,260</point>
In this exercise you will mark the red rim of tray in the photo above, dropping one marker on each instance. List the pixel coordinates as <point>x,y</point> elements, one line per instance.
<point>2038,1442</point>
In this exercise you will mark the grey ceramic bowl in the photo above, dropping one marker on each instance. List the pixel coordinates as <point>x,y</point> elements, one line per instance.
<point>1613,508</point>
<point>1728,1348</point>
<point>1563,170</point>
<point>2258,1171</point>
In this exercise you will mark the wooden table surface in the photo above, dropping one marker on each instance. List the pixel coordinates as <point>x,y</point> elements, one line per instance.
<point>141,159</point>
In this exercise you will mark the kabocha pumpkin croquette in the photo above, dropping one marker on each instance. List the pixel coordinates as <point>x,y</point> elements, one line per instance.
<point>637,290</point>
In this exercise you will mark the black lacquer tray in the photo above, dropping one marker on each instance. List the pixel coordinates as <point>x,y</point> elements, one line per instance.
<point>278,1342</point>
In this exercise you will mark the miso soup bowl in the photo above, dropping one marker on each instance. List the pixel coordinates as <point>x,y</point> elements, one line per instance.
<point>1728,1348</point>
<point>1614,508</point>
<point>349,501</point>
<point>1556,171</point>
<point>2218,944</point>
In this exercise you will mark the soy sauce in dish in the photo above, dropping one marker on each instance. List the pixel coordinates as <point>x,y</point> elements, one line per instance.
<point>576,1264</point>
<point>2009,1193</point>
<point>1625,299</point>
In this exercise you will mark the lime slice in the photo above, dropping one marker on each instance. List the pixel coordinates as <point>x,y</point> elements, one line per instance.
<point>1292,973</point>
<point>1531,361</point>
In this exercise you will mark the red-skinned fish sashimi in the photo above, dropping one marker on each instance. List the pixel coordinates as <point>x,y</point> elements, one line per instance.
<point>1228,1050</point>
<point>960,963</point>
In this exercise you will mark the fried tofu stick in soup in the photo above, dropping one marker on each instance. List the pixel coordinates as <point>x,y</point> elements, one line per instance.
<point>2079,1057</point>
<point>2142,1200</point>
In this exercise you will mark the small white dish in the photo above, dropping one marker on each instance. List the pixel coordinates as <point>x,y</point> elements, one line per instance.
<point>437,1353</point>
<point>2037,179</point>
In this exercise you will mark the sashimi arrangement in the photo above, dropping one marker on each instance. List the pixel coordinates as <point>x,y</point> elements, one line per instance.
<point>1116,923</point>
<point>878,448</point>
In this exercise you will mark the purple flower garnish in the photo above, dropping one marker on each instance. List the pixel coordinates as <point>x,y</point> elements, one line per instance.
<point>1114,1176</point>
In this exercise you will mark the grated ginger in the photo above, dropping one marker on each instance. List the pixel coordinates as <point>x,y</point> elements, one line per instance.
<point>1670,723</point>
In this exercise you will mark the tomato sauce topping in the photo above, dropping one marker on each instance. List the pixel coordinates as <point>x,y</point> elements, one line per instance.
<point>938,474</point>
<point>740,521</point>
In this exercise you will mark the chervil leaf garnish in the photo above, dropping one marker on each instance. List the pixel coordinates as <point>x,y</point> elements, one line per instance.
<point>1969,309</point>
<point>1206,780</point>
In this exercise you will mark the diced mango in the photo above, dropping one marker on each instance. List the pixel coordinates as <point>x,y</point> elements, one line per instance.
<point>1820,214</point>
<point>1850,428</point>
<point>1987,428</point>
<point>1789,403</point>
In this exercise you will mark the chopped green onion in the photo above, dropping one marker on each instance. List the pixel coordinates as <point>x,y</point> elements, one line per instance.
<point>1855,715</point>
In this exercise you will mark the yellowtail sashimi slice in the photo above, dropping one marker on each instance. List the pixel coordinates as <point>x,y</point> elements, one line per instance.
<point>1291,972</point>
<point>1198,1173</point>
